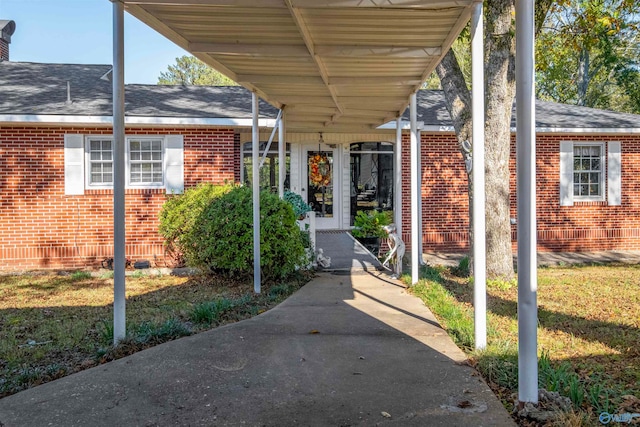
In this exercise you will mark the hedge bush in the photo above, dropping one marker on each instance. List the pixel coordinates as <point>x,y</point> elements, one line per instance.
<point>180,212</point>
<point>219,236</point>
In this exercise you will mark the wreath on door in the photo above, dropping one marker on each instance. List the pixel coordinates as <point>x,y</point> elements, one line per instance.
<point>319,170</point>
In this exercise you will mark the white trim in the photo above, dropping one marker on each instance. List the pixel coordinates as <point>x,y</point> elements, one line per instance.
<point>587,130</point>
<point>131,120</point>
<point>603,170</point>
<point>267,123</point>
<point>128,185</point>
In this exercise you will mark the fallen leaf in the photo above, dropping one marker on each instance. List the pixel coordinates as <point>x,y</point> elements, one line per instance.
<point>385,414</point>
<point>314,331</point>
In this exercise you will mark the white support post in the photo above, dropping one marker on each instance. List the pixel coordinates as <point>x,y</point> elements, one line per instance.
<point>273,134</point>
<point>119,310</point>
<point>420,222</point>
<point>282,155</point>
<point>397,188</point>
<point>255,131</point>
<point>526,176</point>
<point>415,188</point>
<point>479,213</point>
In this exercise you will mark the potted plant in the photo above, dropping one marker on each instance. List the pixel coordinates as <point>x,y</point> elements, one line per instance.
<point>300,207</point>
<point>368,228</point>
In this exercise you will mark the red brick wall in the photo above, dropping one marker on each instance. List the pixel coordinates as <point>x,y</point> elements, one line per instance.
<point>586,226</point>
<point>41,227</point>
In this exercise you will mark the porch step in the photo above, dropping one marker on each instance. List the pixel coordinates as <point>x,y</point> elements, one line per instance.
<point>346,253</point>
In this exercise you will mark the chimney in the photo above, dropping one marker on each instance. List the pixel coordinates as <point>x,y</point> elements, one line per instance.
<point>6,31</point>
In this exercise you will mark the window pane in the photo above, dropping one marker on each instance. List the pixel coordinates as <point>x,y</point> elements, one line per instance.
<point>584,190</point>
<point>156,155</point>
<point>106,145</point>
<point>134,145</point>
<point>595,151</point>
<point>136,167</point>
<point>95,145</point>
<point>145,167</point>
<point>135,155</point>
<point>145,155</point>
<point>96,177</point>
<point>95,155</point>
<point>594,190</point>
<point>586,164</point>
<point>594,178</point>
<point>156,146</point>
<point>576,190</point>
<point>145,145</point>
<point>577,165</point>
<point>107,167</point>
<point>106,155</point>
<point>595,164</point>
<point>107,178</point>
<point>585,151</point>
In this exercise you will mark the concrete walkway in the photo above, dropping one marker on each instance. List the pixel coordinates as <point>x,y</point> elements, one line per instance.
<point>347,349</point>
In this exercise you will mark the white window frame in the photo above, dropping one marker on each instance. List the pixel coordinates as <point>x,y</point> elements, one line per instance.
<point>129,162</point>
<point>128,184</point>
<point>88,161</point>
<point>603,173</point>
<point>611,175</point>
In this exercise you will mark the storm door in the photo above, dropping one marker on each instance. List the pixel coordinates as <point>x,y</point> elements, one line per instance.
<point>321,176</point>
<point>371,175</point>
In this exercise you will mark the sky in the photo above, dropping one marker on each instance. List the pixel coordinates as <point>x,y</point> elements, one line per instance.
<point>80,32</point>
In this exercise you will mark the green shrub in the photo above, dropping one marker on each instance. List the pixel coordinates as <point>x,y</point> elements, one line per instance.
<point>220,237</point>
<point>180,212</point>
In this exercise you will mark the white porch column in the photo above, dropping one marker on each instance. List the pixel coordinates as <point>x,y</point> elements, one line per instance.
<point>255,132</point>
<point>420,220</point>
<point>416,250</point>
<point>526,175</point>
<point>119,310</point>
<point>397,188</point>
<point>282,155</point>
<point>479,213</point>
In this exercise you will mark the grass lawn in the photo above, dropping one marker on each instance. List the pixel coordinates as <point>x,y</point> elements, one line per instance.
<point>52,325</point>
<point>588,334</point>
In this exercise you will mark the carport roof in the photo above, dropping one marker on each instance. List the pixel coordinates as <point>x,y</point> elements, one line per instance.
<point>335,65</point>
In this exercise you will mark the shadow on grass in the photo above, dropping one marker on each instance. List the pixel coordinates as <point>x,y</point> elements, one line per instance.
<point>40,344</point>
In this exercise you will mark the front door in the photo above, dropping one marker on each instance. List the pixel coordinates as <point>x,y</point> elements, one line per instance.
<point>321,184</point>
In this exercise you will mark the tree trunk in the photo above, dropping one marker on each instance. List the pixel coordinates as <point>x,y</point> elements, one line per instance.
<point>501,84</point>
<point>500,92</point>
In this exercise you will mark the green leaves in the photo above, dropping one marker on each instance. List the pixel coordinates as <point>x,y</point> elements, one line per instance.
<point>189,70</point>
<point>213,227</point>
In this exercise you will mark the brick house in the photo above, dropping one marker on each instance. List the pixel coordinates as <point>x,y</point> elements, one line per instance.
<point>55,167</point>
